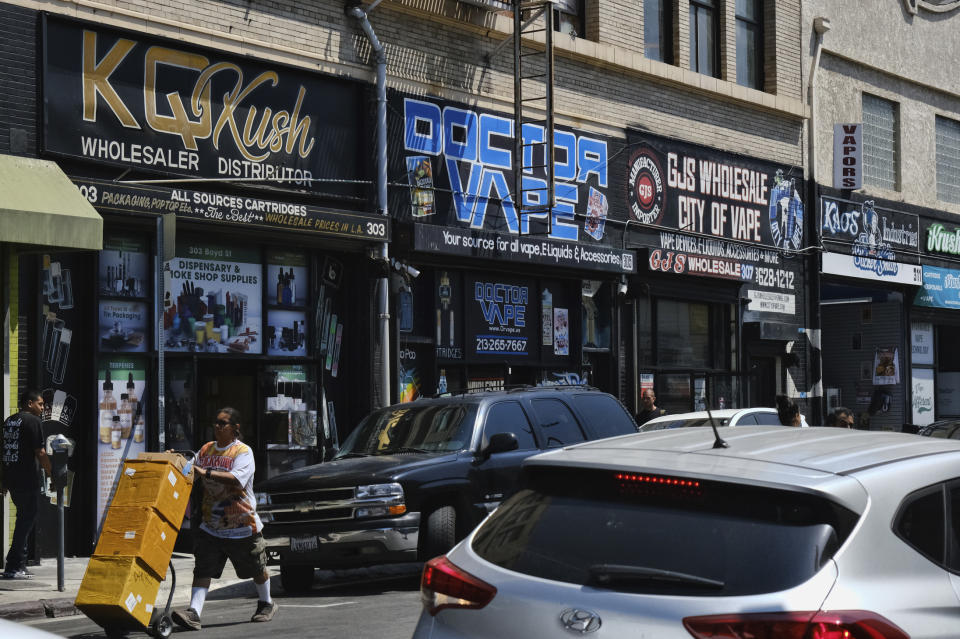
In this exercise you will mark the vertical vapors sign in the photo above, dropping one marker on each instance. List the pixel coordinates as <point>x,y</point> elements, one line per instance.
<point>847,156</point>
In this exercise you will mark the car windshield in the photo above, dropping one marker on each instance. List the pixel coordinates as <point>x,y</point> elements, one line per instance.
<point>683,423</point>
<point>672,538</point>
<point>411,428</point>
<point>948,430</point>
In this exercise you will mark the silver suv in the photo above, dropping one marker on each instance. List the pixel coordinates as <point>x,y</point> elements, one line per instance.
<point>812,533</point>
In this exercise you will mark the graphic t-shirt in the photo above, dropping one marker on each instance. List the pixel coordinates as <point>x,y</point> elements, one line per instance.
<point>22,436</point>
<point>229,511</point>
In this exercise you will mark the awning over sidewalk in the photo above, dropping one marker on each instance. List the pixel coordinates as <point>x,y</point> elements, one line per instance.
<point>40,205</point>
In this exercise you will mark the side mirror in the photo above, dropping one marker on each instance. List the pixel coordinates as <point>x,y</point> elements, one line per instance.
<point>500,443</point>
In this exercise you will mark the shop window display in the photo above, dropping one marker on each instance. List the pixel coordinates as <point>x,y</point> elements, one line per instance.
<point>296,423</point>
<point>213,299</point>
<point>287,285</point>
<point>123,287</point>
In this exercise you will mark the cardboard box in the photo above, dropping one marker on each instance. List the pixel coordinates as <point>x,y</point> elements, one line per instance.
<point>137,531</point>
<point>153,484</point>
<point>179,461</point>
<point>118,592</point>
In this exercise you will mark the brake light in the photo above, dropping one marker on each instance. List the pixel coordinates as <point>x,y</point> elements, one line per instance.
<point>838,624</point>
<point>661,480</point>
<point>445,585</point>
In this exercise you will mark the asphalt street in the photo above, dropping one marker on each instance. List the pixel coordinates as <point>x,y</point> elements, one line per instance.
<point>375,610</point>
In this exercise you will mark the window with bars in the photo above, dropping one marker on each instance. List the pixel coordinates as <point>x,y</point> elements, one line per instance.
<point>658,30</point>
<point>704,50</point>
<point>881,153</point>
<point>750,43</point>
<point>948,160</point>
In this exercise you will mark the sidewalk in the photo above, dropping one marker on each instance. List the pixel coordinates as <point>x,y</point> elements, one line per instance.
<point>39,597</point>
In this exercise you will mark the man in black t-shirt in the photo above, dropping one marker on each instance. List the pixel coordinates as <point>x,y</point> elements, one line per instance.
<point>649,409</point>
<point>22,449</point>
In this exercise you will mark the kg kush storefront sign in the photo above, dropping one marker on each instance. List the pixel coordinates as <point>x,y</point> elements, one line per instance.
<point>133,100</point>
<point>458,162</point>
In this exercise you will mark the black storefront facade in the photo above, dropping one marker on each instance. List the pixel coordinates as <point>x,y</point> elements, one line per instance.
<point>870,274</point>
<point>626,287</point>
<point>257,175</point>
<point>718,311</point>
<point>935,323</point>
<point>501,298</point>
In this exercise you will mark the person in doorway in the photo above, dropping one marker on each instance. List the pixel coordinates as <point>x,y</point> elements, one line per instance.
<point>230,527</point>
<point>22,450</point>
<point>789,412</point>
<point>842,417</point>
<point>649,409</point>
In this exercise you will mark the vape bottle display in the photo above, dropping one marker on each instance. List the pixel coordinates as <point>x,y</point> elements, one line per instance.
<point>138,430</point>
<point>67,302</point>
<point>115,432</point>
<point>442,384</point>
<point>126,416</point>
<point>446,308</point>
<point>61,356</point>
<point>108,410</point>
<point>56,284</point>
<point>52,347</point>
<point>132,394</point>
<point>47,322</point>
<point>46,283</point>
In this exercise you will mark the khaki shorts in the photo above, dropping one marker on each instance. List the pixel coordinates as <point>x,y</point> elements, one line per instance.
<point>247,554</point>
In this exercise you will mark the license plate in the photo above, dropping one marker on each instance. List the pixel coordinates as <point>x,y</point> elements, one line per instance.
<point>303,544</point>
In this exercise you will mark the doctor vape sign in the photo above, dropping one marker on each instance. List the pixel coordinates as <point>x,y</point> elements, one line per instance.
<point>847,156</point>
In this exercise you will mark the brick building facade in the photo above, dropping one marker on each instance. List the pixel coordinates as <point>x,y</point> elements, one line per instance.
<point>677,259</point>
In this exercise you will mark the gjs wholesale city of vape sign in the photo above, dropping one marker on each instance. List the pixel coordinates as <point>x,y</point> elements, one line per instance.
<point>129,99</point>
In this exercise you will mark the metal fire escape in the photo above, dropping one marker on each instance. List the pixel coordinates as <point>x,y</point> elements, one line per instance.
<point>533,105</point>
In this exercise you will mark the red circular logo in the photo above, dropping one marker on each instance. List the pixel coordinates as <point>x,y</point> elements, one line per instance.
<point>645,180</point>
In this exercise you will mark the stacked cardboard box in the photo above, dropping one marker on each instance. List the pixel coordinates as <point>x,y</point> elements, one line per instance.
<point>120,586</point>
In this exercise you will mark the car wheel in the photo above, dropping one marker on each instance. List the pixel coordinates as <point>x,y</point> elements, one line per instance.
<point>296,578</point>
<point>440,532</point>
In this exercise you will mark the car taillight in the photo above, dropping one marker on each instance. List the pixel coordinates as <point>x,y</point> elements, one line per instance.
<point>838,624</point>
<point>445,585</point>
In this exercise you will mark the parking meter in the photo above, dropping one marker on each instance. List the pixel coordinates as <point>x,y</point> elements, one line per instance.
<point>59,449</point>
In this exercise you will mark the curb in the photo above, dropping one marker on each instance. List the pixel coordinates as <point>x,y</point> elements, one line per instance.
<point>61,607</point>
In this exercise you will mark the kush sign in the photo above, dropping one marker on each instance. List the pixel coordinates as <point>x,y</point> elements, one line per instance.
<point>135,100</point>
<point>847,156</point>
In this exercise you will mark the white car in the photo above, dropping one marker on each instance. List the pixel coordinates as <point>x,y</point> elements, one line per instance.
<point>14,630</point>
<point>806,533</point>
<point>722,417</point>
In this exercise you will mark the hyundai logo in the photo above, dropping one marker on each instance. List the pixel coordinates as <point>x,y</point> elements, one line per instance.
<point>582,621</point>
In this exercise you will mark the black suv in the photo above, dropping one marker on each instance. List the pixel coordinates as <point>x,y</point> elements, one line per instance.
<point>413,479</point>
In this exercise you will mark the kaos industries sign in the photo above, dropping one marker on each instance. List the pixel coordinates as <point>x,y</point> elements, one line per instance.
<point>130,99</point>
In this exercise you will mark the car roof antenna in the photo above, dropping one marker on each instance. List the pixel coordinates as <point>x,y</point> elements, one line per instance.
<point>718,441</point>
